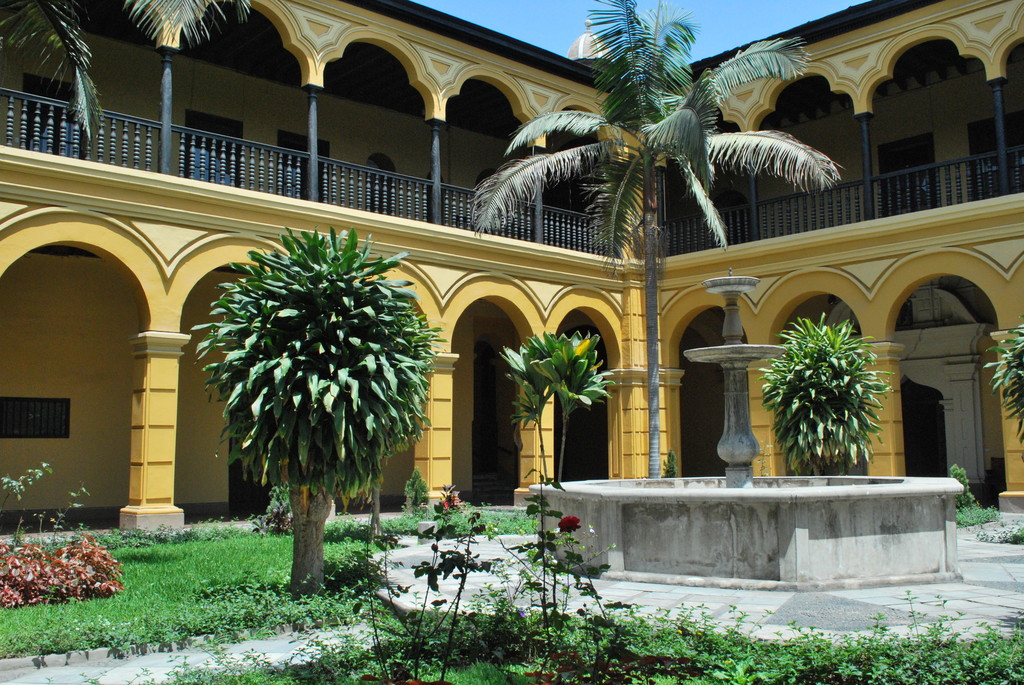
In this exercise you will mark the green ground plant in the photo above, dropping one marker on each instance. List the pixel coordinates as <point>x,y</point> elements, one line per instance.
<point>824,397</point>
<point>968,511</point>
<point>177,589</point>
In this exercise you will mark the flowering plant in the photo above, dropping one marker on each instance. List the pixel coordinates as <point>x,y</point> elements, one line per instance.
<point>450,497</point>
<point>568,524</point>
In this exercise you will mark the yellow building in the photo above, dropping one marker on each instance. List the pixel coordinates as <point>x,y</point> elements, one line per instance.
<point>110,249</point>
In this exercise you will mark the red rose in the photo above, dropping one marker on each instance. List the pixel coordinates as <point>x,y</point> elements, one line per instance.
<point>568,524</point>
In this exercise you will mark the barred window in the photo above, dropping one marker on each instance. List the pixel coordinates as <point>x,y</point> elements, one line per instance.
<point>35,417</point>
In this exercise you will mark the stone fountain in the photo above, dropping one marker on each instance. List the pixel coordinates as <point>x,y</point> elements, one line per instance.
<point>775,533</point>
<point>738,447</point>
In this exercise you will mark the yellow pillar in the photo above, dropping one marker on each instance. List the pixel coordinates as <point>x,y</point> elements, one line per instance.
<point>629,423</point>
<point>1012,500</point>
<point>771,462</point>
<point>887,446</point>
<point>154,423</point>
<point>671,429</point>
<point>432,455</point>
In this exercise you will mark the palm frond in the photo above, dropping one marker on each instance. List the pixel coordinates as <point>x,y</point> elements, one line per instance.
<point>516,182</point>
<point>778,153</point>
<point>642,59</point>
<point>684,133</point>
<point>194,17</point>
<point>54,29</point>
<point>618,207</point>
<point>782,58</point>
<point>704,202</point>
<point>567,121</point>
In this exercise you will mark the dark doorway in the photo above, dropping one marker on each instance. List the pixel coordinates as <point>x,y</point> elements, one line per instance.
<point>492,482</point>
<point>245,498</point>
<point>586,444</point>
<point>924,430</point>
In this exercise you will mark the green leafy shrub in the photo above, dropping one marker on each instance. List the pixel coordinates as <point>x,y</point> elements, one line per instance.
<point>965,499</point>
<point>277,520</point>
<point>976,516</point>
<point>416,491</point>
<point>1008,379</point>
<point>81,570</point>
<point>824,398</point>
<point>671,467</point>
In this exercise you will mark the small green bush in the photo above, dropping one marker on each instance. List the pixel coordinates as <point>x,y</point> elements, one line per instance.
<point>670,469</point>
<point>416,491</point>
<point>965,499</point>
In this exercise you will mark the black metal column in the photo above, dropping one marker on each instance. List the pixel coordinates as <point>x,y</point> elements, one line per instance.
<point>312,145</point>
<point>755,225</point>
<point>436,214</point>
<point>538,204</point>
<point>999,111</point>
<point>865,152</point>
<point>166,110</point>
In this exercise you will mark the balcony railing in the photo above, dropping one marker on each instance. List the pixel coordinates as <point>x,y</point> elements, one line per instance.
<point>43,125</point>
<point>910,190</point>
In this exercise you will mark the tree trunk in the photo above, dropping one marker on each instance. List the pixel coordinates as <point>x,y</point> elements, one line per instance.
<point>561,456</point>
<point>309,514</point>
<point>375,528</point>
<point>652,246</point>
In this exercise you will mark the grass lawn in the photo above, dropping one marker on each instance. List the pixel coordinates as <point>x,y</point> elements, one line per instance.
<point>174,591</point>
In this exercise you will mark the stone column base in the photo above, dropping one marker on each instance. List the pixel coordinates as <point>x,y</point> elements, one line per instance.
<point>1011,502</point>
<point>520,495</point>
<point>151,518</point>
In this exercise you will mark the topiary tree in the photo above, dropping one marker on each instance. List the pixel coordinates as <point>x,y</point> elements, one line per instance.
<point>324,376</point>
<point>824,397</point>
<point>417,494</point>
<point>1008,379</point>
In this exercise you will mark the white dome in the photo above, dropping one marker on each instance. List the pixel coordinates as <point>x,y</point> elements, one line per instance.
<point>584,47</point>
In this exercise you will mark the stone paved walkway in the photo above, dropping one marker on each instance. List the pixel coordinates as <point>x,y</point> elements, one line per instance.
<point>991,594</point>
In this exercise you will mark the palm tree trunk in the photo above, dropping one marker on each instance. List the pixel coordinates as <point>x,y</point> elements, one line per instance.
<point>651,259</point>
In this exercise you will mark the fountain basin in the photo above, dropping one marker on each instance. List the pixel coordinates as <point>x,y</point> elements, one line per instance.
<point>784,533</point>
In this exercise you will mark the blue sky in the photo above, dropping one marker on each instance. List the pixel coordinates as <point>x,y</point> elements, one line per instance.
<point>555,24</point>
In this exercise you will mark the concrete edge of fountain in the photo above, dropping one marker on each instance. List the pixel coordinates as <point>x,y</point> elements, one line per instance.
<point>782,585</point>
<point>626,490</point>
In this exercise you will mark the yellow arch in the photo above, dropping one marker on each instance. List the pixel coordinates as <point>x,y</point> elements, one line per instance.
<point>428,301</point>
<point>572,102</point>
<point>508,86</point>
<point>112,240</point>
<point>788,293</point>
<point>863,100</point>
<point>507,294</point>
<point>903,278</point>
<point>208,256</point>
<point>406,56</point>
<point>603,315</point>
<point>284,21</point>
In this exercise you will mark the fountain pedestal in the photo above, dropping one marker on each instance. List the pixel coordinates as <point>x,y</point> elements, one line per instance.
<point>738,447</point>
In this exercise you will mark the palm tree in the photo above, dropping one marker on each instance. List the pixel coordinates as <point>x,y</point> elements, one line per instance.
<point>654,111</point>
<point>54,29</point>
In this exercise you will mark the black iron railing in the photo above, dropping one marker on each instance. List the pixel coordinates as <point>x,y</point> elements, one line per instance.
<point>43,125</point>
